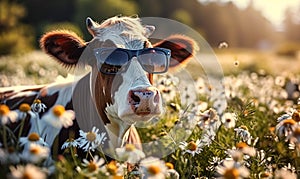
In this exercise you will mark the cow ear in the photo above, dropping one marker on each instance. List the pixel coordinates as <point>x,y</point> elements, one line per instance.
<point>65,46</point>
<point>182,48</point>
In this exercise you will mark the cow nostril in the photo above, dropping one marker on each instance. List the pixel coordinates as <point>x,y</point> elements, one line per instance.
<point>135,98</point>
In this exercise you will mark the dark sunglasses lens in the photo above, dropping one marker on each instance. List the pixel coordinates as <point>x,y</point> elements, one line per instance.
<point>111,60</point>
<point>153,60</point>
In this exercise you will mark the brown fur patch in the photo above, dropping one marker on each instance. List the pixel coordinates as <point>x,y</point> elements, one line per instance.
<point>64,45</point>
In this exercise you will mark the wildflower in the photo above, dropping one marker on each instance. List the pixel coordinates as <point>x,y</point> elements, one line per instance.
<point>91,140</point>
<point>208,136</point>
<point>130,153</point>
<point>23,110</point>
<point>282,173</point>
<point>236,155</point>
<point>9,155</point>
<point>28,171</point>
<point>153,168</point>
<point>94,165</point>
<point>59,117</point>
<point>231,171</point>
<point>228,119</point>
<point>69,143</point>
<point>171,173</point>
<point>265,175</point>
<point>113,169</point>
<point>208,118</point>
<point>285,127</point>
<point>37,106</point>
<point>191,147</point>
<point>214,162</point>
<point>243,132</point>
<point>242,146</point>
<point>7,115</point>
<point>35,153</point>
<point>32,138</point>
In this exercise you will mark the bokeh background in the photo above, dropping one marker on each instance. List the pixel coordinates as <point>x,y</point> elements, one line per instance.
<point>259,35</point>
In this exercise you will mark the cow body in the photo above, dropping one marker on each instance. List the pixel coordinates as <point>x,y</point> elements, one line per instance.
<point>110,102</point>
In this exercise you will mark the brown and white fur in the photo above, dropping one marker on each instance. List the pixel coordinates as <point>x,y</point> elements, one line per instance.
<point>98,99</point>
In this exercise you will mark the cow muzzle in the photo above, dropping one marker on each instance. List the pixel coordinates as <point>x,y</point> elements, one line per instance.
<point>144,101</point>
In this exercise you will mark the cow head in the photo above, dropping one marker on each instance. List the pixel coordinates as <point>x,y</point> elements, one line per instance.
<point>123,62</point>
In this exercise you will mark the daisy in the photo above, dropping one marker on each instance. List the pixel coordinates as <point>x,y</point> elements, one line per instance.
<point>243,147</point>
<point>23,110</point>
<point>94,165</point>
<point>228,170</point>
<point>208,118</point>
<point>191,147</point>
<point>266,175</point>
<point>282,173</point>
<point>37,106</point>
<point>153,168</point>
<point>208,136</point>
<point>243,133</point>
<point>214,162</point>
<point>235,155</point>
<point>171,173</point>
<point>32,138</point>
<point>91,140</point>
<point>69,143</point>
<point>113,169</point>
<point>28,171</point>
<point>130,154</point>
<point>35,153</point>
<point>7,115</point>
<point>59,117</point>
<point>229,119</point>
<point>285,127</point>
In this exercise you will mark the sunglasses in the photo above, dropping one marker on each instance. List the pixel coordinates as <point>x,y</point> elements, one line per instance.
<point>153,60</point>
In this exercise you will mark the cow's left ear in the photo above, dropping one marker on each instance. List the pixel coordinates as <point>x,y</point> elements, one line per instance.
<point>64,45</point>
<point>182,48</point>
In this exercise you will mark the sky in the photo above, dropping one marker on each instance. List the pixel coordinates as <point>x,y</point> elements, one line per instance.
<point>273,10</point>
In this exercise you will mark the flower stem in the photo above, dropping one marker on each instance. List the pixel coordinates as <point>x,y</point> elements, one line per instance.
<point>4,138</point>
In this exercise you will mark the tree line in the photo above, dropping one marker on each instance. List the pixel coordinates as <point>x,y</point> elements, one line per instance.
<point>23,22</point>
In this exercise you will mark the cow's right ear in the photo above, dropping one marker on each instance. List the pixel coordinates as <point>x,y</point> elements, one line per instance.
<point>65,46</point>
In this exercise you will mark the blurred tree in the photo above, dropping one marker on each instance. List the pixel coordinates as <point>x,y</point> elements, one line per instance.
<point>101,10</point>
<point>15,37</point>
<point>292,25</point>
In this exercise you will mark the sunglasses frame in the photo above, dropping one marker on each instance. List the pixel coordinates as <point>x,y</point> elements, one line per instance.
<point>131,54</point>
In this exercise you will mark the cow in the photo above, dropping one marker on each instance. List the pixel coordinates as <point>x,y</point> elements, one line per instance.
<point>118,91</point>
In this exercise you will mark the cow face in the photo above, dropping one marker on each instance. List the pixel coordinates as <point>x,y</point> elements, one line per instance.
<point>123,62</point>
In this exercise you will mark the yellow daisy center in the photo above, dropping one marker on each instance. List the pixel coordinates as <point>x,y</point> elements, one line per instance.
<point>34,151</point>
<point>152,169</point>
<point>58,110</point>
<point>90,136</point>
<point>231,173</point>
<point>289,122</point>
<point>169,165</point>
<point>241,145</point>
<point>112,167</point>
<point>92,166</point>
<point>129,147</point>
<point>4,110</point>
<point>33,137</point>
<point>244,127</point>
<point>37,101</point>
<point>24,107</point>
<point>265,175</point>
<point>191,146</point>
<point>296,116</point>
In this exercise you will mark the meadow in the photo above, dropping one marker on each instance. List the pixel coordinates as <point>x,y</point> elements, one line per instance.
<point>251,130</point>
